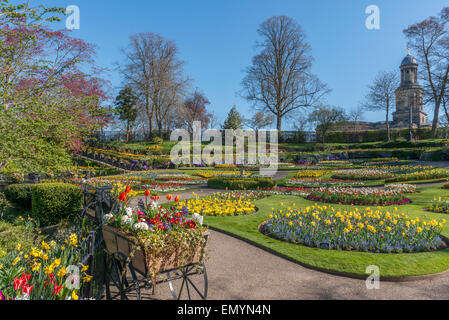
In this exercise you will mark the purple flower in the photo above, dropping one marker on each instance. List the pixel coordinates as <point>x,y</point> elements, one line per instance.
<point>141,204</point>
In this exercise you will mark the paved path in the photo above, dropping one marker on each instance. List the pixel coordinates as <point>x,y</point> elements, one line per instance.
<point>240,271</point>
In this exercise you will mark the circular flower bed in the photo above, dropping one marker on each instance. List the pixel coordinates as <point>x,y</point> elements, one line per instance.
<point>359,196</point>
<point>367,230</point>
<point>363,174</point>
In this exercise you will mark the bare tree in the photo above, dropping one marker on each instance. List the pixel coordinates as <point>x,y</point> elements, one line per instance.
<point>381,96</point>
<point>153,69</point>
<point>430,40</point>
<point>356,116</point>
<point>195,109</point>
<point>214,121</point>
<point>259,120</point>
<point>325,118</point>
<point>279,80</point>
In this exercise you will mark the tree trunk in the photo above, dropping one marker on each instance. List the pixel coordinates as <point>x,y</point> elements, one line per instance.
<point>278,127</point>
<point>436,113</point>
<point>388,125</point>
<point>127,131</point>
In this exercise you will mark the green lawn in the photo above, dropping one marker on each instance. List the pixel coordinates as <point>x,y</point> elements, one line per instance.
<point>390,265</point>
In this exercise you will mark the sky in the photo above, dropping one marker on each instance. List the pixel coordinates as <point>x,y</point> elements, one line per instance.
<point>216,39</point>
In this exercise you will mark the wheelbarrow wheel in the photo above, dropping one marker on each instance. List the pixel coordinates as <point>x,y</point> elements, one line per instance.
<point>118,271</point>
<point>189,282</point>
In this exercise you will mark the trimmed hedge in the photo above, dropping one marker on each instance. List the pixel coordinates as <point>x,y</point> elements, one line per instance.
<point>55,202</point>
<point>19,194</point>
<point>380,135</point>
<point>240,184</point>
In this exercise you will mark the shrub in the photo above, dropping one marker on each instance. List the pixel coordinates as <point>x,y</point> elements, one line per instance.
<point>19,194</point>
<point>160,162</point>
<point>3,204</point>
<point>240,184</point>
<point>157,140</point>
<point>55,202</point>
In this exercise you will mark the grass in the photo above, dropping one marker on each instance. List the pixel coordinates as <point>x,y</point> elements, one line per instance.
<point>391,265</point>
<point>11,235</point>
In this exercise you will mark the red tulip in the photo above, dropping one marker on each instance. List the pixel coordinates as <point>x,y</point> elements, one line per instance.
<point>57,289</point>
<point>123,196</point>
<point>26,289</point>
<point>147,193</point>
<point>128,189</point>
<point>18,282</point>
<point>169,196</point>
<point>176,198</point>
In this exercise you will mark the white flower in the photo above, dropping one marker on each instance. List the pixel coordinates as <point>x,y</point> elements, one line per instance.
<point>199,218</point>
<point>127,219</point>
<point>108,217</point>
<point>141,226</point>
<point>129,211</point>
<point>153,205</point>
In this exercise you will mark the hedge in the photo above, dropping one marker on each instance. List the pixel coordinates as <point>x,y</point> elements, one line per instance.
<point>55,202</point>
<point>19,194</point>
<point>239,184</point>
<point>380,135</point>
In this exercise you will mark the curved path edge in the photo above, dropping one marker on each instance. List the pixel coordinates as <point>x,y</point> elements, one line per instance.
<point>331,272</point>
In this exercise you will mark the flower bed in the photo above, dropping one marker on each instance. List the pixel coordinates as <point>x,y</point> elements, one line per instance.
<point>42,273</point>
<point>359,196</point>
<point>180,179</point>
<point>363,174</point>
<point>162,187</point>
<point>320,182</point>
<point>223,174</point>
<point>401,187</point>
<point>367,230</point>
<point>439,205</point>
<point>288,191</point>
<point>312,173</point>
<point>218,205</point>
<point>429,174</point>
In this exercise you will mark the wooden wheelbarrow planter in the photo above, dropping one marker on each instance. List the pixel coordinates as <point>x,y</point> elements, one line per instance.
<point>126,258</point>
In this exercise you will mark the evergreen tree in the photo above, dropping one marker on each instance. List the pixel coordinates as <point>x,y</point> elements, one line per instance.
<point>234,120</point>
<point>125,105</point>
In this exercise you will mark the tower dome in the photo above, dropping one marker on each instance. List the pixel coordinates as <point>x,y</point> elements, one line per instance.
<point>409,60</point>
